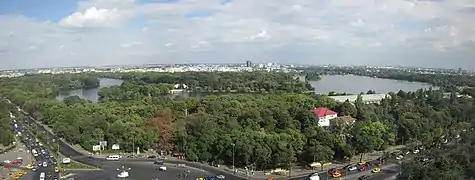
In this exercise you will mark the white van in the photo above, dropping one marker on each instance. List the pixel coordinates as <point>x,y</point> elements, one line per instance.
<point>42,176</point>
<point>113,157</point>
<point>66,160</point>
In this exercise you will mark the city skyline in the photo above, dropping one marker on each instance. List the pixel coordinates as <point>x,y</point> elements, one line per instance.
<point>430,33</point>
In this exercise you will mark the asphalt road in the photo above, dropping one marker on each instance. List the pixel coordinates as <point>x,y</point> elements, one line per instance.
<point>43,155</point>
<point>386,173</point>
<point>345,173</point>
<point>139,171</point>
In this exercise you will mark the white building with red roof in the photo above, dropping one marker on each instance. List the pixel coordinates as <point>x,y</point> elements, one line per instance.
<point>324,115</point>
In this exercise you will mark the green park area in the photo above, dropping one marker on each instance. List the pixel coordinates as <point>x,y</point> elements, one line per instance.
<point>261,120</point>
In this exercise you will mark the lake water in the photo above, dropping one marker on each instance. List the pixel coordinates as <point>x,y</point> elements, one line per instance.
<point>90,94</point>
<point>357,84</point>
<point>349,84</point>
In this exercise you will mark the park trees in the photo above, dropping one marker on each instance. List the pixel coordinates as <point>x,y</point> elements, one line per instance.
<point>262,130</point>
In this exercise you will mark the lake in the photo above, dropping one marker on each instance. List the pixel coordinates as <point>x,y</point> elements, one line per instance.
<point>90,94</point>
<point>349,84</point>
<point>357,84</point>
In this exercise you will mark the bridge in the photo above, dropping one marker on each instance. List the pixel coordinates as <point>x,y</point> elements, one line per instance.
<point>367,98</point>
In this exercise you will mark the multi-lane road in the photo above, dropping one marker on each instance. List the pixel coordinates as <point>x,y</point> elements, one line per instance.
<point>44,161</point>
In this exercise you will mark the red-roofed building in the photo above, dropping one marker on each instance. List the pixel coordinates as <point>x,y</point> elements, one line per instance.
<point>324,115</point>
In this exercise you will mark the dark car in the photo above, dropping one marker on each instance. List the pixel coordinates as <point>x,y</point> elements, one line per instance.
<point>158,162</point>
<point>152,157</point>
<point>363,177</point>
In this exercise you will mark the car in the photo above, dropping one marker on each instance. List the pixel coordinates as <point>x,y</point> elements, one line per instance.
<point>376,170</point>
<point>45,164</point>
<point>29,166</point>
<point>352,168</point>
<point>56,169</point>
<point>399,157</point>
<point>123,174</point>
<point>362,168</point>
<point>415,151</point>
<point>49,174</point>
<point>21,172</point>
<point>336,174</point>
<point>162,168</point>
<point>362,163</point>
<point>158,162</point>
<point>220,177</point>
<point>364,177</point>
<point>15,176</point>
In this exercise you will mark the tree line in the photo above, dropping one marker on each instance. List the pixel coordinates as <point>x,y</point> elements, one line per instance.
<point>266,131</point>
<point>456,161</point>
<point>6,134</point>
<point>441,79</point>
<point>255,81</point>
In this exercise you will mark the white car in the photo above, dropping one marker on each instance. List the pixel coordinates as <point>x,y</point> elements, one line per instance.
<point>123,174</point>
<point>162,168</point>
<point>352,168</point>
<point>45,164</point>
<point>113,157</point>
<point>220,177</point>
<point>415,151</point>
<point>399,157</point>
<point>314,176</point>
<point>42,176</point>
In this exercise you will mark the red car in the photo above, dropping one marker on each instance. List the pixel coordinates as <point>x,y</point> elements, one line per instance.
<point>362,168</point>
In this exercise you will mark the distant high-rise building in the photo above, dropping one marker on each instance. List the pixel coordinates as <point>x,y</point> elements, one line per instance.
<point>248,63</point>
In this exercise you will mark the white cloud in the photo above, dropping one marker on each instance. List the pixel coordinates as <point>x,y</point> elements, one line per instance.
<point>308,31</point>
<point>93,17</point>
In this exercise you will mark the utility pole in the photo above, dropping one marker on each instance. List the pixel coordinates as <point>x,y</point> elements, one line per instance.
<point>133,143</point>
<point>234,169</point>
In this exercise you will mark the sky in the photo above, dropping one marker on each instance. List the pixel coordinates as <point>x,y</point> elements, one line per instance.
<point>58,33</point>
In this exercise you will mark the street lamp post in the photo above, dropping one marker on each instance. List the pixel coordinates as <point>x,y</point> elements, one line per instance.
<point>133,143</point>
<point>234,169</point>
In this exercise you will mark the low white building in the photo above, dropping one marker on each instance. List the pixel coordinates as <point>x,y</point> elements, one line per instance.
<point>324,115</point>
<point>367,98</point>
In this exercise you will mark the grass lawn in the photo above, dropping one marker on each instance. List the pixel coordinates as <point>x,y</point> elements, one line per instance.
<point>76,165</point>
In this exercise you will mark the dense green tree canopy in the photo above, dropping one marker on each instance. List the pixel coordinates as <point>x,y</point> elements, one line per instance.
<point>255,81</point>
<point>268,130</point>
<point>6,135</point>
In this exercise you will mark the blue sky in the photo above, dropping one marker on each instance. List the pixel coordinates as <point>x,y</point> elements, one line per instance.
<point>44,33</point>
<point>52,10</point>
